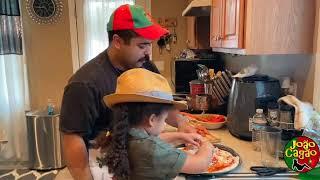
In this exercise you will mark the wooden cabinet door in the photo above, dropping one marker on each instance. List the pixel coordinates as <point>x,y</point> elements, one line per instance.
<point>191,33</point>
<point>233,24</point>
<point>216,23</point>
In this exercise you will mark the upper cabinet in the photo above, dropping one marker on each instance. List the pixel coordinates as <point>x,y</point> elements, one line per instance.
<point>198,31</point>
<point>197,35</point>
<point>262,27</point>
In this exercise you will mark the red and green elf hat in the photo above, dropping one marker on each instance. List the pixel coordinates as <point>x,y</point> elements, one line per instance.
<point>133,17</point>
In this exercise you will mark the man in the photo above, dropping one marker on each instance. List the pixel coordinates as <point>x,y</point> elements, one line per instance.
<point>83,113</point>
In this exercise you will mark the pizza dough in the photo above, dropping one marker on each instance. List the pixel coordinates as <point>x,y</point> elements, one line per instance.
<point>222,161</point>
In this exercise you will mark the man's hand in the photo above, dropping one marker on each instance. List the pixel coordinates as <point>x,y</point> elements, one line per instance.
<point>181,122</point>
<point>176,138</point>
<point>76,156</point>
<point>183,125</point>
<point>193,139</point>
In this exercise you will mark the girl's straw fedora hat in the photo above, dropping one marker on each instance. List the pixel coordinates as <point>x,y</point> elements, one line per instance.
<point>141,85</point>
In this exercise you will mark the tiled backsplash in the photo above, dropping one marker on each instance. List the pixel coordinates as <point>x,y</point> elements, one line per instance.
<point>299,67</point>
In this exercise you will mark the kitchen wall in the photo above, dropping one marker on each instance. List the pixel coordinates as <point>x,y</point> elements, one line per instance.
<point>48,54</point>
<point>163,9</point>
<point>299,67</point>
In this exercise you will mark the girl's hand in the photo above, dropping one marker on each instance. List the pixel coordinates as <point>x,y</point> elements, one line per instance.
<point>192,139</point>
<point>207,145</point>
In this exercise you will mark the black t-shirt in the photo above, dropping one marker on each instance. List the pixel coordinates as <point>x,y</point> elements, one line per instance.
<point>83,111</point>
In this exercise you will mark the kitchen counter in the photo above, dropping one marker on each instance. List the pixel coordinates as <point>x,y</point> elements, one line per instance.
<point>248,156</point>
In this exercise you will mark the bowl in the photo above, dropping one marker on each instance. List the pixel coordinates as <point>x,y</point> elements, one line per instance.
<point>210,125</point>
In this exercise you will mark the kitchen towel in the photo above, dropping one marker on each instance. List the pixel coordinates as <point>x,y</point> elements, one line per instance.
<point>303,111</point>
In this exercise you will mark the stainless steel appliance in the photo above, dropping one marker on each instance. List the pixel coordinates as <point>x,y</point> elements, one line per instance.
<point>45,150</point>
<point>248,94</point>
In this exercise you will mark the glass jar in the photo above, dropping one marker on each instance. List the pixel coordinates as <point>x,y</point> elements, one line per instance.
<point>273,114</point>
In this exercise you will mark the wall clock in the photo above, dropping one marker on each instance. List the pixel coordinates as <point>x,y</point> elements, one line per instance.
<point>45,11</point>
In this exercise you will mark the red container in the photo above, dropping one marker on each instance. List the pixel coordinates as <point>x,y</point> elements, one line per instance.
<point>196,87</point>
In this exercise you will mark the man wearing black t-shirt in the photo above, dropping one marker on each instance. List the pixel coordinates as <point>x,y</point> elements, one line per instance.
<point>83,113</point>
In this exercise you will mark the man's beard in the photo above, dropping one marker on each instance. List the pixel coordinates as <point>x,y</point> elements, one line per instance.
<point>144,59</point>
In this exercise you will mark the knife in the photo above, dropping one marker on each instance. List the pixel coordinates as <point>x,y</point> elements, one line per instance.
<point>224,89</point>
<point>218,94</point>
<point>227,78</point>
<point>218,88</point>
<point>225,84</point>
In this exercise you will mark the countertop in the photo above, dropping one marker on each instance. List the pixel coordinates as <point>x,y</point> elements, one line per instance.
<point>248,156</point>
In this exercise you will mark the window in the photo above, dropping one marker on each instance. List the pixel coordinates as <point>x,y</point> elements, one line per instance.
<point>88,21</point>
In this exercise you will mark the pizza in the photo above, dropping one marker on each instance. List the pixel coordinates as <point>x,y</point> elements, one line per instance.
<point>206,134</point>
<point>222,161</point>
<point>203,131</point>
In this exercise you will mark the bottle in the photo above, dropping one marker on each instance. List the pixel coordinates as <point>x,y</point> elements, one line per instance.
<point>273,114</point>
<point>258,123</point>
<point>50,107</point>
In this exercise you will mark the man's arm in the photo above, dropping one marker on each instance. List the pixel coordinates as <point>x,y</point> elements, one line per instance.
<point>76,156</point>
<point>78,114</point>
<point>181,138</point>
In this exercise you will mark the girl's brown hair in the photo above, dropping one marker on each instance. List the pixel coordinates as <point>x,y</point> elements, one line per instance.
<point>114,147</point>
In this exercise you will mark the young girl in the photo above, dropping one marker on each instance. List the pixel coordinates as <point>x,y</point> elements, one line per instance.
<point>135,149</point>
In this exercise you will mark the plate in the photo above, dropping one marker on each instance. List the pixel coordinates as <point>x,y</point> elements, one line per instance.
<point>231,151</point>
<point>210,125</point>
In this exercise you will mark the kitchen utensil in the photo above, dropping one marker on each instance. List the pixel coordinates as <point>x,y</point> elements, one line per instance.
<point>199,176</point>
<point>223,89</point>
<point>220,97</point>
<point>227,78</point>
<point>222,94</point>
<point>174,36</point>
<point>203,73</point>
<point>207,87</point>
<point>225,84</point>
<point>270,143</point>
<point>216,96</point>
<point>267,171</point>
